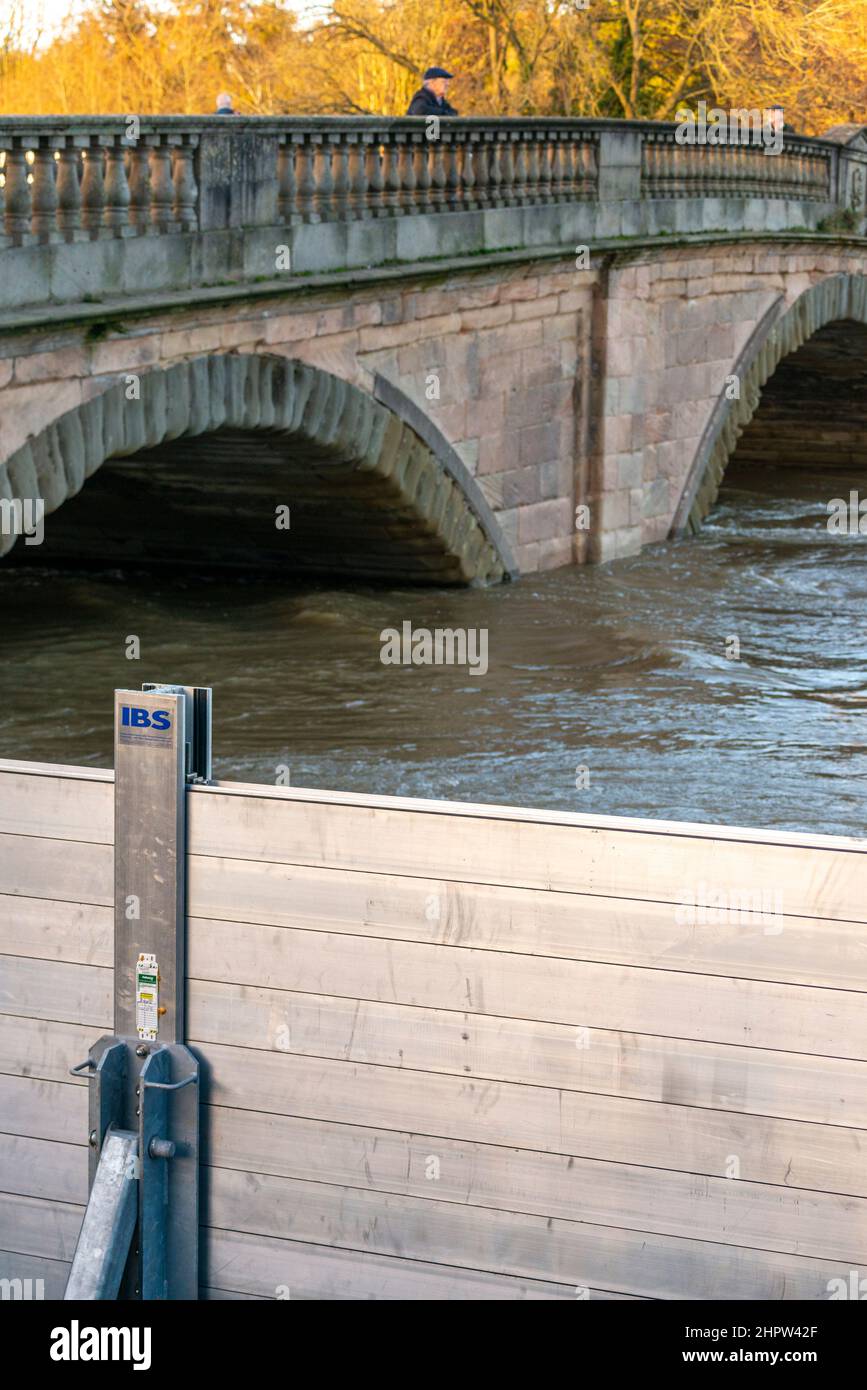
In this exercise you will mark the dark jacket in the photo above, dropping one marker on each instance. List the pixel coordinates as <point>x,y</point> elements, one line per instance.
<point>424,103</point>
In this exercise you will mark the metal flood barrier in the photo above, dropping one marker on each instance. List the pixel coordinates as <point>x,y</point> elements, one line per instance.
<point>446,1050</point>
<point>139,1236</point>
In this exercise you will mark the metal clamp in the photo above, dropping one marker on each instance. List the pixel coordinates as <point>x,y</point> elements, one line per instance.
<point>170,1085</point>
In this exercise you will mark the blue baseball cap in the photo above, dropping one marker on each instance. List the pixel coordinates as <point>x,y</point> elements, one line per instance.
<point>436,72</point>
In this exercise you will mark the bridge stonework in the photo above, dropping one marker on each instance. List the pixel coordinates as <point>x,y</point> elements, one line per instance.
<point>554,386</point>
<point>513,383</point>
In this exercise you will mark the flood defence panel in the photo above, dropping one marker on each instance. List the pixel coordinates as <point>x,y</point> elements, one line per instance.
<point>458,1052</point>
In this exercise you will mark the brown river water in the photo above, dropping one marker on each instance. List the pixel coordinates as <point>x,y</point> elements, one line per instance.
<point>618,669</point>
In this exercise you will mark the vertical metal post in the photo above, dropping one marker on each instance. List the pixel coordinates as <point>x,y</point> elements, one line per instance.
<point>149,864</point>
<point>143,1080</point>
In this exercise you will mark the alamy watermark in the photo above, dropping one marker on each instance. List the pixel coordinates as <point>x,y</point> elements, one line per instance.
<point>707,906</point>
<point>23,518</point>
<point>440,646</point>
<point>736,127</point>
<point>847,518</point>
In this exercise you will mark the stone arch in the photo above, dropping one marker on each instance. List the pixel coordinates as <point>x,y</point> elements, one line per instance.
<point>779,334</point>
<point>421,516</point>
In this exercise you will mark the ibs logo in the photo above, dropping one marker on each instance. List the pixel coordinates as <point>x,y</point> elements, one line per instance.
<point>137,718</point>
<point>149,726</point>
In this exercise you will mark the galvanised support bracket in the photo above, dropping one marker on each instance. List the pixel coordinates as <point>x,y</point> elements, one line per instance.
<point>139,1237</point>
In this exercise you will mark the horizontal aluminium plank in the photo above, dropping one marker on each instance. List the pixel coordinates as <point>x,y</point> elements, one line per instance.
<point>269,1268</point>
<point>659,863</point>
<point>608,1127</point>
<point>806,950</point>
<point>53,1274</point>
<point>751,1013</point>
<point>44,1168</point>
<point>43,1109</point>
<point>476,1238</point>
<point>704,1075</point>
<point>722,1209</point>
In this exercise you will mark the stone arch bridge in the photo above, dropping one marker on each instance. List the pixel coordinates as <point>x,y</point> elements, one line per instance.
<point>513,346</point>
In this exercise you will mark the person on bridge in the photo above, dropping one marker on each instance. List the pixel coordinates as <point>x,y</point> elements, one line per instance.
<point>224,105</point>
<point>430,99</point>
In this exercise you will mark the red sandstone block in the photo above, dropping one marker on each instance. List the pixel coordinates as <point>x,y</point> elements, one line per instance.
<point>398,334</point>
<point>539,443</point>
<point>612,510</point>
<point>492,342</point>
<point>561,328</point>
<point>542,521</point>
<point>492,317</point>
<point>486,416</point>
<point>450,418</point>
<point>366,314</point>
<point>527,558</point>
<point>498,453</point>
<point>290,328</point>
<point>188,342</point>
<point>560,281</point>
<point>520,488</point>
<point>554,553</point>
<point>500,373</point>
<point>241,332</point>
<point>420,358</point>
<point>125,354</point>
<point>525,288</point>
<point>478,297</point>
<point>430,302</point>
<point>540,365</point>
<point>539,308</point>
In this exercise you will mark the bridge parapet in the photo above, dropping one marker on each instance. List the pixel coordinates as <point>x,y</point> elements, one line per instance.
<point>96,207</point>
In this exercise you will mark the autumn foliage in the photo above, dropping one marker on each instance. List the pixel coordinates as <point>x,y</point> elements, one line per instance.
<point>632,58</point>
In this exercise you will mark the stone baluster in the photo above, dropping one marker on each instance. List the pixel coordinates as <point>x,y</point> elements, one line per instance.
<point>44,191</point>
<point>545,170</point>
<point>483,196</point>
<point>421,170</point>
<point>391,175</point>
<point>17,209</point>
<point>69,190</point>
<point>115,213</point>
<point>495,172</point>
<point>162,188</point>
<point>324,183</point>
<point>508,168</point>
<point>305,179</point>
<point>139,179</point>
<point>340,177</point>
<point>357,176</point>
<point>374,178</point>
<point>186,190</point>
<point>468,176</point>
<point>589,168</point>
<point>286,182</point>
<point>93,188</point>
<point>569,154</point>
<point>521,172</point>
<point>407,176</point>
<point>533,175</point>
<point>559,184</point>
<point>651,179</point>
<point>690,159</point>
<point>438,174</point>
<point>453,173</point>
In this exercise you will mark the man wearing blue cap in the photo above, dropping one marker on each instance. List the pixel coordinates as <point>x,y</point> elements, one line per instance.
<point>430,99</point>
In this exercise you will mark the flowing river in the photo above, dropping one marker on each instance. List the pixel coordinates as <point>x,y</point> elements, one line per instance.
<point>610,689</point>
